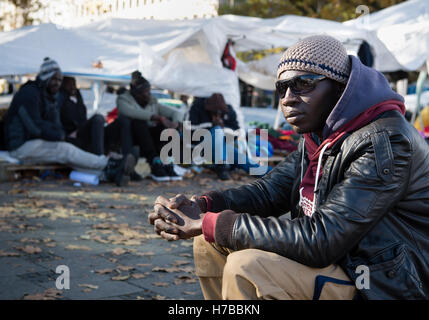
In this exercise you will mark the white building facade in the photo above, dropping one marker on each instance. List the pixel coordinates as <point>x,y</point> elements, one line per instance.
<point>70,13</point>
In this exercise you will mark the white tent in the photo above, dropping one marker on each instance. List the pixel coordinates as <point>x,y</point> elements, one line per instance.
<point>404,30</point>
<point>181,56</point>
<point>167,51</point>
<point>257,33</point>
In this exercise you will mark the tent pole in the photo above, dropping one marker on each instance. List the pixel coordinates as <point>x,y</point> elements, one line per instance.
<point>278,116</point>
<point>98,90</point>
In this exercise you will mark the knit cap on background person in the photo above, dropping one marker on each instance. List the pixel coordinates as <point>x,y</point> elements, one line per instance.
<point>138,81</point>
<point>48,68</point>
<point>318,54</point>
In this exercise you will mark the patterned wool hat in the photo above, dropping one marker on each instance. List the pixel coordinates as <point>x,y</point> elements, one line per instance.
<point>48,69</point>
<point>319,54</point>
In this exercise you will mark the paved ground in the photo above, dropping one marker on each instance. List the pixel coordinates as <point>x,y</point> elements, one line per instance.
<point>101,234</point>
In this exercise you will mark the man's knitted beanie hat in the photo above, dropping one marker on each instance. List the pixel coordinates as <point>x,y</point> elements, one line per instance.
<point>48,68</point>
<point>318,54</point>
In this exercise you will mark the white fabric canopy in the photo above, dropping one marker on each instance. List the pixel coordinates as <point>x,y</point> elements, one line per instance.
<point>284,31</point>
<point>181,56</point>
<point>404,31</point>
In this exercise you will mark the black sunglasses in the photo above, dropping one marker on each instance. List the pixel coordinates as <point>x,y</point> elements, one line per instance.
<point>299,84</point>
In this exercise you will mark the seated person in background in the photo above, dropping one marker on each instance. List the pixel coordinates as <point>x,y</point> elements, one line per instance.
<point>85,134</point>
<point>357,190</point>
<point>34,132</point>
<point>214,114</point>
<point>138,112</point>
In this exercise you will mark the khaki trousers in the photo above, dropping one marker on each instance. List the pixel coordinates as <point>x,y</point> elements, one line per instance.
<point>255,274</point>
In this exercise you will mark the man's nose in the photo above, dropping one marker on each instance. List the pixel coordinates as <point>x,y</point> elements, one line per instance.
<point>289,98</point>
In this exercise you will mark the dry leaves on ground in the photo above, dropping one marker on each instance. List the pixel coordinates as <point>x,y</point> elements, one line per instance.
<point>104,271</point>
<point>90,286</point>
<point>29,249</point>
<point>119,251</point>
<point>121,277</point>
<point>184,279</point>
<point>140,275</point>
<point>161,284</point>
<point>77,247</point>
<point>124,268</point>
<point>9,254</point>
<point>49,294</point>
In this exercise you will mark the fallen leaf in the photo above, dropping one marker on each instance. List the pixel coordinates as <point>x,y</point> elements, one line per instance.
<point>104,271</point>
<point>184,279</point>
<point>121,278</point>
<point>190,293</point>
<point>158,297</point>
<point>16,191</point>
<point>91,286</point>
<point>180,263</point>
<point>9,254</point>
<point>30,240</point>
<point>119,251</point>
<point>149,253</point>
<point>125,268</point>
<point>77,247</point>
<point>161,284</point>
<point>143,264</point>
<point>138,275</point>
<point>29,249</point>
<point>49,294</point>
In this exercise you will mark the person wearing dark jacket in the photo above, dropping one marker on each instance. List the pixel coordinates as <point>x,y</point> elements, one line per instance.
<point>87,134</point>
<point>34,132</point>
<point>140,122</point>
<point>214,114</point>
<point>357,191</point>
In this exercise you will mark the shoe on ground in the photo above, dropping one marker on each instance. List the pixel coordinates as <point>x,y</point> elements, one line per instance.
<point>158,173</point>
<point>125,169</point>
<point>134,176</point>
<point>171,173</point>
<point>119,170</point>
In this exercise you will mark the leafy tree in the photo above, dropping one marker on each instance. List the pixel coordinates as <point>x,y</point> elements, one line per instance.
<point>338,10</point>
<point>26,8</point>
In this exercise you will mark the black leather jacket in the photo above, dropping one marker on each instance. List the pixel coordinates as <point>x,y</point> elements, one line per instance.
<point>372,210</point>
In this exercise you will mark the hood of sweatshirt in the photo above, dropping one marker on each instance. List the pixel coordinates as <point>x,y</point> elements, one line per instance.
<point>365,88</point>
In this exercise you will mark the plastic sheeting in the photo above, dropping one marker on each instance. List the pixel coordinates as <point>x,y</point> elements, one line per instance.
<point>404,31</point>
<point>181,56</point>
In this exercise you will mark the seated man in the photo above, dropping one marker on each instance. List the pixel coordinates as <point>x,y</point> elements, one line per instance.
<point>214,114</point>
<point>34,132</point>
<point>85,134</point>
<point>357,190</point>
<point>138,112</point>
